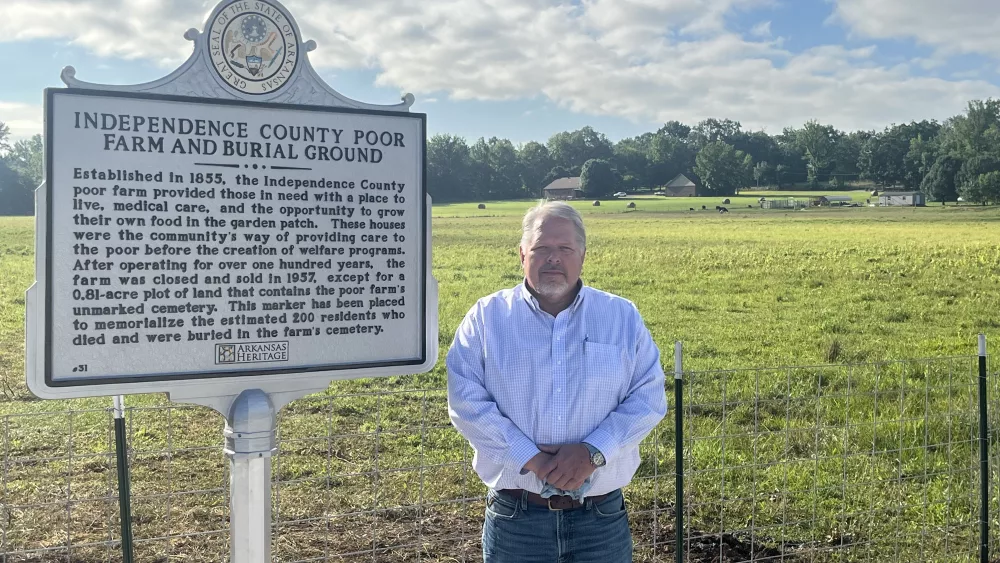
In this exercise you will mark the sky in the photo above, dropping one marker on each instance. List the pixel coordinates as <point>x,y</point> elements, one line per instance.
<point>527,69</point>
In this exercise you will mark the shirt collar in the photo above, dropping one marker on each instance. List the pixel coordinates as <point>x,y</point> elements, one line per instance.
<point>532,301</point>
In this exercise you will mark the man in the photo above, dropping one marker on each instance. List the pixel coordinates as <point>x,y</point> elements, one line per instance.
<point>555,384</point>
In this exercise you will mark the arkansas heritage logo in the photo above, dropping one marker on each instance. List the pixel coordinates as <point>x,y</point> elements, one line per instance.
<point>253,47</point>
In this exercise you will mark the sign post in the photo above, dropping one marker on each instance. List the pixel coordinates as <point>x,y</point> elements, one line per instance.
<point>236,234</point>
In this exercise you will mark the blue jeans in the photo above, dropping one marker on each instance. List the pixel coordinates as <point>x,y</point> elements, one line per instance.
<point>518,532</point>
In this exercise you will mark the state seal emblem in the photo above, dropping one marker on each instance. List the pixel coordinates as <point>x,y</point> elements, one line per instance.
<point>253,47</point>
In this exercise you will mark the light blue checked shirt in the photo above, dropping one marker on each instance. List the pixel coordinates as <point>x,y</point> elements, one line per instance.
<point>518,377</point>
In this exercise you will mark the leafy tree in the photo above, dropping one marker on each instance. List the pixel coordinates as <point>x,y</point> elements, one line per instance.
<point>675,129</point>
<point>448,168</point>
<point>4,136</point>
<point>984,189</point>
<point>554,174</point>
<point>506,168</point>
<point>762,171</point>
<point>20,173</point>
<point>976,179</point>
<point>939,183</point>
<point>721,169</point>
<point>495,172</point>
<point>711,130</point>
<point>631,159</point>
<point>921,157</point>
<point>535,164</point>
<point>26,157</point>
<point>598,179</point>
<point>571,149</point>
<point>975,133</point>
<point>779,172</point>
<point>16,192</point>
<point>668,157</point>
<point>819,145</point>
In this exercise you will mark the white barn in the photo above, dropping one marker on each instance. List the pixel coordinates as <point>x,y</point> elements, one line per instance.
<point>907,199</point>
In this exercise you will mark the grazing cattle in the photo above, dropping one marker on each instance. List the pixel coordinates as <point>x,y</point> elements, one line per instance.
<point>723,210</point>
<point>718,208</point>
<point>750,206</point>
<point>702,207</point>
<point>596,203</point>
<point>690,209</point>
<point>482,206</point>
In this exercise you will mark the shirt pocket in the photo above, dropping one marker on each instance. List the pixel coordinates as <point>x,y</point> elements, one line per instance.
<point>606,371</point>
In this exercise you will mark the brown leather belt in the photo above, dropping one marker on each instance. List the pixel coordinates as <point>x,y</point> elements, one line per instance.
<point>555,502</point>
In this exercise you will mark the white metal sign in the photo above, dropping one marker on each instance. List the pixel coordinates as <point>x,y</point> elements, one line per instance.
<point>213,240</point>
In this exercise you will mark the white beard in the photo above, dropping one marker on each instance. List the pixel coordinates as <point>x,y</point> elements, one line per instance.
<point>553,289</point>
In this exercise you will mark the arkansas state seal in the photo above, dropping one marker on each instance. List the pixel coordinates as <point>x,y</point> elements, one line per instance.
<point>253,47</point>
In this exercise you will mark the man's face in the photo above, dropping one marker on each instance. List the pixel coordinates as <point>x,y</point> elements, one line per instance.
<point>553,259</point>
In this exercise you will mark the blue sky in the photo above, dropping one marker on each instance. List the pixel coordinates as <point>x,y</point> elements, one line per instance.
<point>526,69</point>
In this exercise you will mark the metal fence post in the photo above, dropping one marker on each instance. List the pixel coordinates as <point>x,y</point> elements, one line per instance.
<point>984,476</point>
<point>679,447</point>
<point>124,500</point>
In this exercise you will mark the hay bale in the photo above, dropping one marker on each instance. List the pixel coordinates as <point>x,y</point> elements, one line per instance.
<point>482,206</point>
<point>725,201</point>
<point>631,205</point>
<point>596,203</point>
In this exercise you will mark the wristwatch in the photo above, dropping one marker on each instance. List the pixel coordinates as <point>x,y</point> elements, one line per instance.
<point>596,457</point>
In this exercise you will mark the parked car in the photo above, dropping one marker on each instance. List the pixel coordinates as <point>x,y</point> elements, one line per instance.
<point>659,193</point>
<point>620,194</point>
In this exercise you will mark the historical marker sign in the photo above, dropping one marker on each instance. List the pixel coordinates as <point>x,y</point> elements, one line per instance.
<point>203,237</point>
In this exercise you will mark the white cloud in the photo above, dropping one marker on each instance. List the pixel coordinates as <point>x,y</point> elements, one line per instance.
<point>643,60</point>
<point>23,120</point>
<point>763,29</point>
<point>953,26</point>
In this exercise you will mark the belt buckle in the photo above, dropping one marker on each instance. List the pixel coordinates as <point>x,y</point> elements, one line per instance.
<point>564,500</point>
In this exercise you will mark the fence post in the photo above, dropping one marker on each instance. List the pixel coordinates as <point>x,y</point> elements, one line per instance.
<point>984,476</point>
<point>679,448</point>
<point>124,501</point>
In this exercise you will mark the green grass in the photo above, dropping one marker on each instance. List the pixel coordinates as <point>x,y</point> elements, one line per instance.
<point>810,457</point>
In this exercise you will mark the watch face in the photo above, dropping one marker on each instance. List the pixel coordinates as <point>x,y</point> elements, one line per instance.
<point>598,459</point>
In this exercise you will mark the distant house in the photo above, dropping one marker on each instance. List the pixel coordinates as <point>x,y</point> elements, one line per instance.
<point>909,199</point>
<point>680,186</point>
<point>564,188</point>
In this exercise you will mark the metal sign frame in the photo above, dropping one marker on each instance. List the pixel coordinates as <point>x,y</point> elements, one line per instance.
<point>154,383</point>
<point>249,399</point>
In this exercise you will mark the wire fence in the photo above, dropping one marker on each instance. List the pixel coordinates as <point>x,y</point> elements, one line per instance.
<point>826,463</point>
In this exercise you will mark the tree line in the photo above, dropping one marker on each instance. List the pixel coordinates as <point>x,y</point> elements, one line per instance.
<point>959,157</point>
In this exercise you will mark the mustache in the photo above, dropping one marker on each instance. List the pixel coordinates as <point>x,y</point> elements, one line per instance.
<point>552,269</point>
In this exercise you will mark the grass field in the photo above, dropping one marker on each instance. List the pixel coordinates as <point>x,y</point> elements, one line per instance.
<point>750,289</point>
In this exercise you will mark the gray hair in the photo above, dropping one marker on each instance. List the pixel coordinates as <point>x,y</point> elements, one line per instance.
<point>537,214</point>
